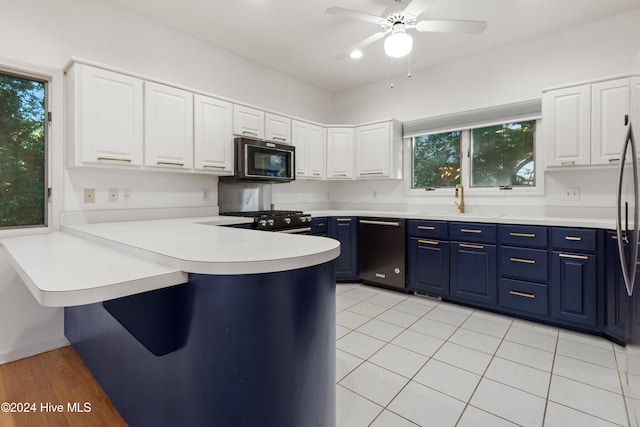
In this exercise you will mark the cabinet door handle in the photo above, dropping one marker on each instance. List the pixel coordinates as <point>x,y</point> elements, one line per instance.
<point>568,162</point>
<point>522,294</point>
<point>614,160</point>
<point>573,256</point>
<point>214,167</point>
<point>425,227</point>
<point>470,230</point>
<point>170,164</point>
<point>344,219</point>
<point>316,174</point>
<point>522,260</point>
<point>573,238</point>
<point>114,159</point>
<point>372,173</point>
<point>339,174</point>
<point>522,234</point>
<point>429,242</point>
<point>279,138</point>
<point>300,172</point>
<point>466,245</point>
<point>320,225</point>
<point>247,132</point>
<point>389,223</point>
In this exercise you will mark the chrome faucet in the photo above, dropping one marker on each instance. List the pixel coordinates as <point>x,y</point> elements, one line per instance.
<point>460,188</point>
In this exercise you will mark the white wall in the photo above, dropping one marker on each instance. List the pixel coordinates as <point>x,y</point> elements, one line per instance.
<point>47,34</point>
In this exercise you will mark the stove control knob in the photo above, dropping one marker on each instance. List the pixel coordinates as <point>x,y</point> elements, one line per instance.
<point>287,220</point>
<point>262,222</point>
<point>270,222</point>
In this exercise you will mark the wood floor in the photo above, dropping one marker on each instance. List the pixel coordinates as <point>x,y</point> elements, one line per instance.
<point>57,377</point>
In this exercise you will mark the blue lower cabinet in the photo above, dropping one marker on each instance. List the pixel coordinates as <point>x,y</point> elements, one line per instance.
<point>474,273</point>
<point>574,290</point>
<point>524,297</point>
<point>319,226</point>
<point>428,262</point>
<point>345,230</point>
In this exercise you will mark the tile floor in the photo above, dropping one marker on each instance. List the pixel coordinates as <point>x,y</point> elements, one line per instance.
<point>408,360</point>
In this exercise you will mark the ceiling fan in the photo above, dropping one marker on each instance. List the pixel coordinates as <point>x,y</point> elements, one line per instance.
<point>398,21</point>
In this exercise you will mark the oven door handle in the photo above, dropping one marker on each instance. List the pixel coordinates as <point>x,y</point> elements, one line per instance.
<point>304,230</point>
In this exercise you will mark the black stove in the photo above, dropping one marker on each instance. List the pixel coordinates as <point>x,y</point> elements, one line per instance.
<point>274,220</point>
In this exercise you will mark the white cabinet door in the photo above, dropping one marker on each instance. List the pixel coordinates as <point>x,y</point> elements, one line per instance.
<point>316,152</point>
<point>609,108</point>
<point>213,135</point>
<point>277,128</point>
<point>168,140</point>
<point>567,113</point>
<point>635,107</point>
<point>300,139</point>
<point>340,153</point>
<point>373,148</point>
<point>248,121</point>
<point>107,114</point>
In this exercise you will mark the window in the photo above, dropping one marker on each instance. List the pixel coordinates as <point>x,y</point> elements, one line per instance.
<point>436,160</point>
<point>499,156</point>
<point>22,151</point>
<point>503,155</point>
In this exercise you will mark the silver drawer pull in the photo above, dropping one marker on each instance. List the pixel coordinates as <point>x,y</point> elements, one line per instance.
<point>522,260</point>
<point>573,256</point>
<point>170,164</point>
<point>568,162</point>
<point>466,245</point>
<point>522,234</point>
<point>372,173</point>
<point>339,174</point>
<point>389,223</point>
<point>344,219</point>
<point>573,238</point>
<point>425,227</point>
<point>114,159</point>
<point>522,294</point>
<point>428,242</point>
<point>248,132</point>
<point>470,230</point>
<point>279,138</point>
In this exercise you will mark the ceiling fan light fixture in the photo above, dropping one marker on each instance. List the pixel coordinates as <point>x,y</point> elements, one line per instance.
<point>355,54</point>
<point>399,43</point>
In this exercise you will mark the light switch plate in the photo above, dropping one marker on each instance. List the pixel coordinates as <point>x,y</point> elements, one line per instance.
<point>113,195</point>
<point>89,195</point>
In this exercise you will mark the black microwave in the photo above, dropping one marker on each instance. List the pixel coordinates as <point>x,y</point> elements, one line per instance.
<point>257,160</point>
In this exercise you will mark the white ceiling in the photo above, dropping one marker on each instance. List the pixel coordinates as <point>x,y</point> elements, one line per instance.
<point>299,39</point>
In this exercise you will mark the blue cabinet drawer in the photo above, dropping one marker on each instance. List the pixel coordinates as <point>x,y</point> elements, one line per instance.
<point>524,263</point>
<point>523,296</point>
<point>573,239</point>
<point>523,235</point>
<point>320,226</point>
<point>472,232</point>
<point>429,229</point>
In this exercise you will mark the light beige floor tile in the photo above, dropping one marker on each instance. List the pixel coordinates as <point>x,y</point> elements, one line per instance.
<point>387,299</point>
<point>476,340</point>
<point>397,317</point>
<point>351,320</point>
<point>531,337</point>
<point>448,315</point>
<point>341,331</point>
<point>359,345</point>
<point>587,353</point>
<point>375,383</point>
<point>361,293</point>
<point>345,363</point>
<point>536,327</point>
<point>382,330</point>
<point>474,417</point>
<point>509,403</point>
<point>413,307</point>
<point>493,317</point>
<point>399,360</point>
<point>448,379</point>
<point>427,407</point>
<point>522,377</point>
<point>585,339</point>
<point>367,309</point>
<point>486,326</point>
<point>353,410</point>
<point>433,328</point>
<point>418,342</point>
<point>389,419</point>
<point>562,416</point>
<point>520,353</point>
<point>592,400</point>
<point>463,357</point>
<point>588,373</point>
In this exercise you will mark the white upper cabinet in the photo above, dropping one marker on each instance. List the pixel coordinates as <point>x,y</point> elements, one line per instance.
<point>610,108</point>
<point>168,125</point>
<point>567,116</point>
<point>378,150</point>
<point>248,121</point>
<point>310,144</point>
<point>340,142</point>
<point>213,135</point>
<point>635,105</point>
<point>277,128</point>
<point>105,117</point>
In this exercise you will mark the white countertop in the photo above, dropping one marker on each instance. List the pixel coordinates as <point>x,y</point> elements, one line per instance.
<point>607,224</point>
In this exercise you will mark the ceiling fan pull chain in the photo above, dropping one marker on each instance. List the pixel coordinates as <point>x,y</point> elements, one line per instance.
<point>391,86</point>
<point>409,73</point>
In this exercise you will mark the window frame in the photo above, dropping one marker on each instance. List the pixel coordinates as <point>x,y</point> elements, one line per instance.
<point>465,165</point>
<point>54,153</point>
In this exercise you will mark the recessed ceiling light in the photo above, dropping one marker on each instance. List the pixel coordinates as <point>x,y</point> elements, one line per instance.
<point>356,54</point>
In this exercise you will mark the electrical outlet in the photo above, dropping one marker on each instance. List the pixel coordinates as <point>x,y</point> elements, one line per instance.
<point>205,195</point>
<point>572,194</point>
<point>113,195</point>
<point>126,195</point>
<point>89,195</point>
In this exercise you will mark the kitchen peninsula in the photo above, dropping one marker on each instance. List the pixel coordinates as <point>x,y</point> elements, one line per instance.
<point>248,340</point>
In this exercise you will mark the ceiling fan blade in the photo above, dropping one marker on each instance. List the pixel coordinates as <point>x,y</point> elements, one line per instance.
<point>362,44</point>
<point>451,26</point>
<point>340,11</point>
<point>416,7</point>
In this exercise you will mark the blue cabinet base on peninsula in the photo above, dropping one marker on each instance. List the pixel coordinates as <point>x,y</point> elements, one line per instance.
<point>221,350</point>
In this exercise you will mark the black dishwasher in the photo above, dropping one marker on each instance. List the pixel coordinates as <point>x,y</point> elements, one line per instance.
<point>382,252</point>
